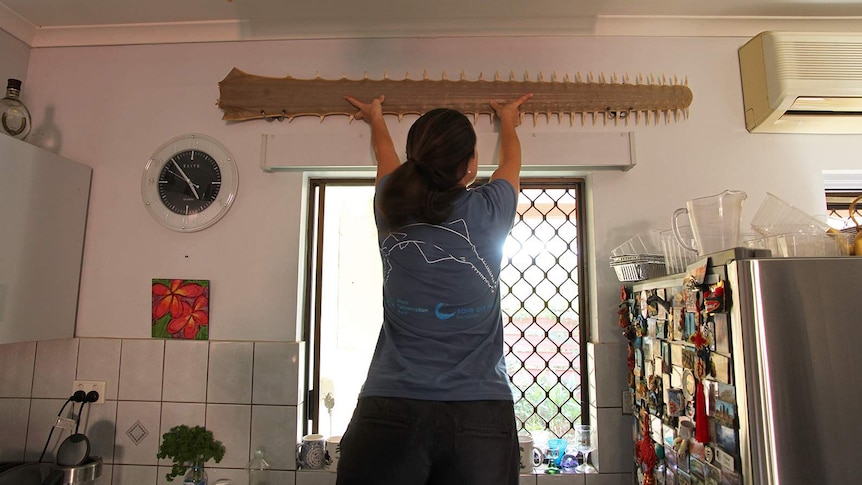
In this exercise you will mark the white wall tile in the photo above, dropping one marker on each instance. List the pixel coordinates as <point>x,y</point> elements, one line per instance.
<point>99,423</point>
<point>134,475</point>
<point>54,374</point>
<point>186,364</point>
<point>99,360</point>
<point>137,437</point>
<point>527,479</point>
<point>141,363</point>
<point>608,370</point>
<point>276,372</point>
<point>13,432</point>
<point>614,454</point>
<point>315,477</point>
<point>230,372</point>
<point>43,415</point>
<point>175,414</point>
<point>610,479</point>
<point>230,424</point>
<point>561,479</point>
<point>17,361</point>
<point>107,475</point>
<point>273,430</point>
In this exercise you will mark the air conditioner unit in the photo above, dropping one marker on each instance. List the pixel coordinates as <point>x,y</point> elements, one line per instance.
<point>802,82</point>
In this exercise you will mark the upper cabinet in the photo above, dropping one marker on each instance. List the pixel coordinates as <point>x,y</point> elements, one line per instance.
<point>43,217</point>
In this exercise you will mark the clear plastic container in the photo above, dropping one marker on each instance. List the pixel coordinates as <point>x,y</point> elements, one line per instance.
<point>803,245</point>
<point>677,258</point>
<point>775,216</point>
<point>258,470</point>
<point>643,243</point>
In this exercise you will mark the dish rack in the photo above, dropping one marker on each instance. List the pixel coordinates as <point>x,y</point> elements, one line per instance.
<point>638,258</point>
<point>638,267</point>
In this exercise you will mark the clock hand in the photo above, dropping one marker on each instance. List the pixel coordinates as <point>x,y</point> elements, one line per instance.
<point>179,176</point>
<point>186,177</point>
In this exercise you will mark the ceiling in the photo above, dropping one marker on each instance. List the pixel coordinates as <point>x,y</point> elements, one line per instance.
<point>45,23</point>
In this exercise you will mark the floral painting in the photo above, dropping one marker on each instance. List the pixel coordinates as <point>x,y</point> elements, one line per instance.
<point>181,309</point>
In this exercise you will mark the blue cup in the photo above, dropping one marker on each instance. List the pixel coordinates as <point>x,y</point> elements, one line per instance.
<point>556,450</point>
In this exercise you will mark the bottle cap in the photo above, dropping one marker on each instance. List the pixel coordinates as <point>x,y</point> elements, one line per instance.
<point>13,84</point>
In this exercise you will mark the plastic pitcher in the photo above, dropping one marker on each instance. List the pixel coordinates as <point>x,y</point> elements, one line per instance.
<point>714,221</point>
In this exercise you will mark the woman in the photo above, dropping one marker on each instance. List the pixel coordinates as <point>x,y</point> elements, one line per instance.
<point>436,407</point>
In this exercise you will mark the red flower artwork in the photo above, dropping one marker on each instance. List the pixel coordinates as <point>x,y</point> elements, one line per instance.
<point>180,309</point>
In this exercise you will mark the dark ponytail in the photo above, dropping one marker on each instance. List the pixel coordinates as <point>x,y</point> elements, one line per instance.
<point>439,146</point>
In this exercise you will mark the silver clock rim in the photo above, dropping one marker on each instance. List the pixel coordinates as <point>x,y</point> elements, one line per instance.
<point>216,210</point>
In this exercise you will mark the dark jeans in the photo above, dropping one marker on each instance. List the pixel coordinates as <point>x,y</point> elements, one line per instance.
<point>393,441</point>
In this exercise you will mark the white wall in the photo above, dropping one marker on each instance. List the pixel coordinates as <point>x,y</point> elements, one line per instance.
<point>115,105</point>
<point>14,56</point>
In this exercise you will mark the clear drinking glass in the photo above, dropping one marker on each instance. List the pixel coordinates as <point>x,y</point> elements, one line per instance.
<point>585,442</point>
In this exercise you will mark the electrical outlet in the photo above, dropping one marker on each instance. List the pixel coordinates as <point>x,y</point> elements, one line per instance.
<point>87,386</point>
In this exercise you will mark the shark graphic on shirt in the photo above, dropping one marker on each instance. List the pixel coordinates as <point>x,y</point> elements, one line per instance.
<point>448,247</point>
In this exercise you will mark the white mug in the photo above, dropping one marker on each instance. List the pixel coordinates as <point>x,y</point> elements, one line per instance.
<point>333,453</point>
<point>530,456</point>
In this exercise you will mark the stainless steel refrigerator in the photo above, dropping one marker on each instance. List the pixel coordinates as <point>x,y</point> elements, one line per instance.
<point>792,355</point>
<point>800,334</point>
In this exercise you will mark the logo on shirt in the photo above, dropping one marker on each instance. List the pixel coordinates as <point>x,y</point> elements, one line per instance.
<point>444,244</point>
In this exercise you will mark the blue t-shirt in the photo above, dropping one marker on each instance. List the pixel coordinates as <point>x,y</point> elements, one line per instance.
<point>442,333</point>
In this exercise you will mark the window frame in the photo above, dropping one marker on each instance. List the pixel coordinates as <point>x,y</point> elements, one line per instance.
<point>311,307</point>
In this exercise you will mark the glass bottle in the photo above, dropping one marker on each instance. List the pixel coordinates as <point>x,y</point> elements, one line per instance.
<point>195,476</point>
<point>258,470</point>
<point>14,116</point>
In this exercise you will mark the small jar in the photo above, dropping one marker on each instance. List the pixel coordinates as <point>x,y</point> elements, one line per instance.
<point>14,116</point>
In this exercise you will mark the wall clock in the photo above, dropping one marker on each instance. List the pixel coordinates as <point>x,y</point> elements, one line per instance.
<point>189,183</point>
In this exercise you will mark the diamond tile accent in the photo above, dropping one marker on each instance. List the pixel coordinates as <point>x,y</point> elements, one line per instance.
<point>137,433</point>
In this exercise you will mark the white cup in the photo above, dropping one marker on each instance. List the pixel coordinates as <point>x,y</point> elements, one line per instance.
<point>333,453</point>
<point>530,456</point>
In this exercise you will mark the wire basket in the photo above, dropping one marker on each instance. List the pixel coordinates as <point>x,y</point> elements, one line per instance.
<point>638,267</point>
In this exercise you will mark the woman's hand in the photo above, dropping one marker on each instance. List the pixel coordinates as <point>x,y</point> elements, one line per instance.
<point>509,112</point>
<point>367,111</point>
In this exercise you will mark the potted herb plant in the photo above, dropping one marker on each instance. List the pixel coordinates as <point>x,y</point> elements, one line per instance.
<point>190,448</point>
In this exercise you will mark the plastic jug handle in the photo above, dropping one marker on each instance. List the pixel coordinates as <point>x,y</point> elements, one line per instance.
<point>676,233</point>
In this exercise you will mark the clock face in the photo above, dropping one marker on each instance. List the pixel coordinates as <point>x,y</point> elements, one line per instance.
<point>189,183</point>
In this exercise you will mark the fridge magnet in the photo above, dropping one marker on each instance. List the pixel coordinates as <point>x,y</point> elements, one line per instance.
<point>670,458</point>
<point>726,438</point>
<point>698,470</point>
<point>726,393</point>
<point>639,362</point>
<point>724,460</point>
<point>721,332</point>
<point>666,361</point>
<point>710,391</point>
<point>690,326</point>
<point>675,402</point>
<point>730,478</point>
<point>661,329</point>
<point>647,347</point>
<point>692,300</point>
<point>708,454</point>
<point>720,368</point>
<point>713,475</point>
<point>688,358</point>
<point>180,309</point>
<point>713,298</point>
<point>682,478</point>
<point>725,414</point>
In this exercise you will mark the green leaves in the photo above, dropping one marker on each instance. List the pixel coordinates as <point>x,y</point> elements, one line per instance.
<point>189,446</point>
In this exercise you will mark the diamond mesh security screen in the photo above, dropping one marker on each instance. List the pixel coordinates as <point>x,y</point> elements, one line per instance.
<point>541,299</point>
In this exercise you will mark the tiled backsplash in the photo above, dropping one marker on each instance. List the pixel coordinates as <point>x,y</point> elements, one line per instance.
<point>246,393</point>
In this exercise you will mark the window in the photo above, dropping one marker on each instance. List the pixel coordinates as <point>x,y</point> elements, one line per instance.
<point>542,297</point>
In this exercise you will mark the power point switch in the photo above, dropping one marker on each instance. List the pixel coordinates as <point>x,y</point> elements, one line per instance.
<point>87,386</point>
